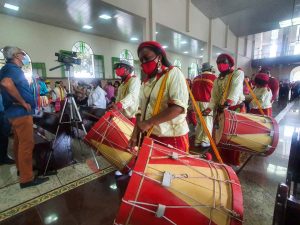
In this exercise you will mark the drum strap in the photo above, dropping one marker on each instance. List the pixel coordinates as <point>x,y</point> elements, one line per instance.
<point>199,113</point>
<point>226,90</point>
<point>159,98</point>
<point>255,98</point>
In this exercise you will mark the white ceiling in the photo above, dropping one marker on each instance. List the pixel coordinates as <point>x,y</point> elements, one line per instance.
<point>246,17</point>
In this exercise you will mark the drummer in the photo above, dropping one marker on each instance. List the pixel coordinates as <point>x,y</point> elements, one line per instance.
<point>168,124</point>
<point>127,100</point>
<point>232,99</point>
<point>263,94</point>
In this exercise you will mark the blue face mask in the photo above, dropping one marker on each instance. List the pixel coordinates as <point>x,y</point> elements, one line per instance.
<point>25,60</point>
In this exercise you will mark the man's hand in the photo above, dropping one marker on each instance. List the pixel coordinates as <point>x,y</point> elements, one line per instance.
<point>144,125</point>
<point>27,106</point>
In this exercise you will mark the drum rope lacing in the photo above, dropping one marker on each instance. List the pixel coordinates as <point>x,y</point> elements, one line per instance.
<point>182,177</point>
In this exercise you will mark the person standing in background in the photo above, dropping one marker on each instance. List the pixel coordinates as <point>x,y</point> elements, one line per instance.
<point>201,89</point>
<point>97,97</point>
<point>18,102</point>
<point>110,90</point>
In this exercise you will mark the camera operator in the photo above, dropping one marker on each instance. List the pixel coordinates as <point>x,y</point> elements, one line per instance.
<point>18,103</point>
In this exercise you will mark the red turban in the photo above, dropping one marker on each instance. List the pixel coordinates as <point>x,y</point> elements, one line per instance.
<point>153,45</point>
<point>229,57</point>
<point>262,76</point>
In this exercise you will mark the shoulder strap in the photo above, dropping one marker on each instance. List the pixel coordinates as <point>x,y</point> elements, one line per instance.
<point>159,98</point>
<point>225,94</point>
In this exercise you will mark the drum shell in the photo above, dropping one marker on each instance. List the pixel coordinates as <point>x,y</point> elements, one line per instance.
<point>251,133</point>
<point>110,137</point>
<point>150,194</point>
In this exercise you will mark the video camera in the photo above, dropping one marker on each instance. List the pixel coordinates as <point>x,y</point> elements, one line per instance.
<point>68,58</point>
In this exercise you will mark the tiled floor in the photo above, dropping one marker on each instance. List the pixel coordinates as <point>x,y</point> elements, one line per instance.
<point>97,202</point>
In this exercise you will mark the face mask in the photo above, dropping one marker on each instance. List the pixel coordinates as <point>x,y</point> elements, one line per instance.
<point>149,67</point>
<point>25,61</point>
<point>223,67</point>
<point>120,71</point>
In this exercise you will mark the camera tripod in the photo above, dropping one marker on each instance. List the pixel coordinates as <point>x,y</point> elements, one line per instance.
<point>74,117</point>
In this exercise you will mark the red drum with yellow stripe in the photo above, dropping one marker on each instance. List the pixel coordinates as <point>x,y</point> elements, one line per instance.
<point>168,187</point>
<point>110,136</point>
<point>247,132</point>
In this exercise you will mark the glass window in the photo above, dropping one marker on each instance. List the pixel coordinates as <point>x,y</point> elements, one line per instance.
<point>127,55</point>
<point>177,63</point>
<point>39,69</point>
<point>193,71</point>
<point>99,66</point>
<point>85,53</point>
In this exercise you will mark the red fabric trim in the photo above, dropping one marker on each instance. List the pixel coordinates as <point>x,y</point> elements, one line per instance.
<point>119,105</point>
<point>180,142</point>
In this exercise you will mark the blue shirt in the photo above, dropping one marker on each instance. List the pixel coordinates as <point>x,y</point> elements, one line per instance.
<point>1,104</point>
<point>11,107</point>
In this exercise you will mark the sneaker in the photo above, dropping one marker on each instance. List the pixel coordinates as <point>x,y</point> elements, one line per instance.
<point>7,161</point>
<point>197,145</point>
<point>205,144</point>
<point>118,173</point>
<point>34,182</point>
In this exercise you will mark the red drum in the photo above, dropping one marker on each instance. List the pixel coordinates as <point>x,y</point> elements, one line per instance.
<point>110,136</point>
<point>180,189</point>
<point>247,132</point>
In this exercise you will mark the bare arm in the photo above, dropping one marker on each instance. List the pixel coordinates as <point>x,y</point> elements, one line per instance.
<point>10,87</point>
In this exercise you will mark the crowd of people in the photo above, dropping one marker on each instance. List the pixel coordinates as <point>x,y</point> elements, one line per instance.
<point>158,106</point>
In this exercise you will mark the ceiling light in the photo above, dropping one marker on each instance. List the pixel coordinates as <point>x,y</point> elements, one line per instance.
<point>165,46</point>
<point>186,52</point>
<point>156,32</point>
<point>202,49</point>
<point>287,23</point>
<point>88,27</point>
<point>134,39</point>
<point>13,7</point>
<point>201,56</point>
<point>218,53</point>
<point>183,42</point>
<point>105,16</point>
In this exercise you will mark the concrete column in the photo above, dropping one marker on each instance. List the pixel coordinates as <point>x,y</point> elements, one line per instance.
<point>226,36</point>
<point>209,42</point>
<point>150,28</point>
<point>187,14</point>
<point>236,52</point>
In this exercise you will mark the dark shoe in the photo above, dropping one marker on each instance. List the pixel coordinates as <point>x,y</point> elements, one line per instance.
<point>8,161</point>
<point>34,182</point>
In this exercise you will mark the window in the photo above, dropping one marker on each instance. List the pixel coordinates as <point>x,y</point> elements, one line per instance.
<point>2,60</point>
<point>28,70</point>
<point>193,71</point>
<point>84,52</point>
<point>99,66</point>
<point>39,69</point>
<point>126,54</point>
<point>177,63</point>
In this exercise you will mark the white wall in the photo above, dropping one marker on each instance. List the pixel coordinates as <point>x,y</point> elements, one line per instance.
<point>241,48</point>
<point>218,33</point>
<point>41,41</point>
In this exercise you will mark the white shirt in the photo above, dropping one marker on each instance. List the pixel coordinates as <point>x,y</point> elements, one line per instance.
<point>97,98</point>
<point>263,95</point>
<point>235,92</point>
<point>128,95</point>
<point>176,92</point>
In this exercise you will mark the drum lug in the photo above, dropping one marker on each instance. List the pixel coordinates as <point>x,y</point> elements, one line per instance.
<point>174,155</point>
<point>160,212</point>
<point>167,178</point>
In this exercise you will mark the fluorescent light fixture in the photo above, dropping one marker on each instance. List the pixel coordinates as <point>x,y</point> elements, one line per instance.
<point>134,39</point>
<point>186,52</point>
<point>105,16</point>
<point>218,53</point>
<point>290,22</point>
<point>201,56</point>
<point>183,42</point>
<point>13,7</point>
<point>88,27</point>
<point>165,46</point>
<point>156,32</point>
<point>202,49</point>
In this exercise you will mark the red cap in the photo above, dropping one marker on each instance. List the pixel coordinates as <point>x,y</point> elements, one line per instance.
<point>229,57</point>
<point>152,44</point>
<point>262,76</point>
